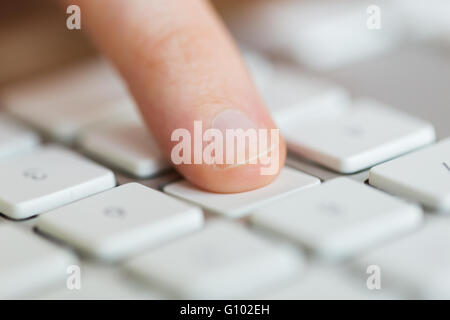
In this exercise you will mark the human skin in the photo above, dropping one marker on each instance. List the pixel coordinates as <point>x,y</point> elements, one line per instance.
<point>181,65</point>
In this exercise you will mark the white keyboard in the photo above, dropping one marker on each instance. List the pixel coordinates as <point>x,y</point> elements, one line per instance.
<point>90,209</point>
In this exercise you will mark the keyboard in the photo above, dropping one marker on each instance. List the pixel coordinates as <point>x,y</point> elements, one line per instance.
<point>91,209</point>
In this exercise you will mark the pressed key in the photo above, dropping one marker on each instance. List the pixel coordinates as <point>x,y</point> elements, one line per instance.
<point>422,176</point>
<point>339,218</point>
<point>357,139</point>
<point>418,265</point>
<point>121,221</point>
<point>15,138</point>
<point>240,204</point>
<point>127,145</point>
<point>222,261</point>
<point>29,263</point>
<point>48,178</point>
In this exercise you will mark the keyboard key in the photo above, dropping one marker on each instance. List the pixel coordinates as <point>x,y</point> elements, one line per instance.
<point>358,139</point>
<point>418,265</point>
<point>122,221</point>
<point>328,283</point>
<point>48,178</point>
<point>85,81</point>
<point>293,95</point>
<point>69,101</point>
<point>307,31</point>
<point>338,219</point>
<point>220,262</point>
<point>15,138</point>
<point>63,123</point>
<point>126,145</point>
<point>240,204</point>
<point>422,176</point>
<point>102,283</point>
<point>29,263</point>
<point>290,93</point>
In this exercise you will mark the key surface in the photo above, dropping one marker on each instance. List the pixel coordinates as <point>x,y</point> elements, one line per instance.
<point>48,178</point>
<point>289,92</point>
<point>360,138</point>
<point>339,218</point>
<point>422,176</point>
<point>222,261</point>
<point>127,145</point>
<point>122,221</point>
<point>417,265</point>
<point>99,282</point>
<point>240,204</point>
<point>15,138</point>
<point>62,104</point>
<point>319,282</point>
<point>29,263</point>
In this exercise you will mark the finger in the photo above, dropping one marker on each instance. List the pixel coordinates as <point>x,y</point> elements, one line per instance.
<point>181,66</point>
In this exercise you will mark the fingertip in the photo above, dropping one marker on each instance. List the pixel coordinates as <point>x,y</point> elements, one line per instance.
<point>242,178</point>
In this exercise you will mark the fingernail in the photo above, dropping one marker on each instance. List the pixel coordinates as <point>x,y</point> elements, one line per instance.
<point>232,120</point>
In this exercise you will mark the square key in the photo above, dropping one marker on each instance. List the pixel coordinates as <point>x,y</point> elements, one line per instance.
<point>237,205</point>
<point>50,177</point>
<point>339,218</point>
<point>122,221</point>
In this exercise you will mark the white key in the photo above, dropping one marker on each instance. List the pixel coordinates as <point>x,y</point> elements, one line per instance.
<point>293,95</point>
<point>121,221</point>
<point>29,263</point>
<point>339,218</point>
<point>289,93</point>
<point>418,264</point>
<point>360,138</point>
<point>328,283</point>
<point>70,101</point>
<point>127,145</point>
<point>222,261</point>
<point>240,204</point>
<point>15,138</point>
<point>48,178</point>
<point>85,81</point>
<point>64,122</point>
<point>101,283</point>
<point>307,31</point>
<point>423,176</point>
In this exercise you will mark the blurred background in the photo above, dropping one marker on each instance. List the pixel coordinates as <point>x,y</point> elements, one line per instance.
<point>396,51</point>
